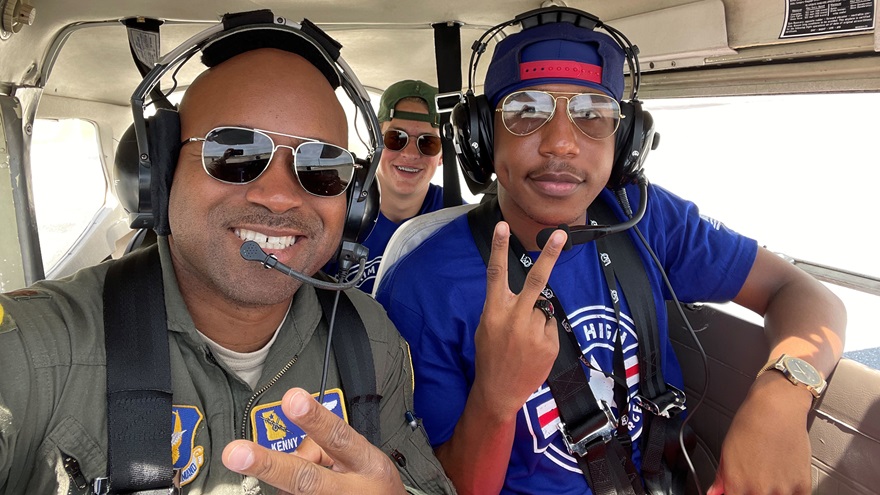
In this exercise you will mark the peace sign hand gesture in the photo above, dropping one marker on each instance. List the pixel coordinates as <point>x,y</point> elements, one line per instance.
<point>516,341</point>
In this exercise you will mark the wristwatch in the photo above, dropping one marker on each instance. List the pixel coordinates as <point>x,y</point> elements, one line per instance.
<point>798,372</point>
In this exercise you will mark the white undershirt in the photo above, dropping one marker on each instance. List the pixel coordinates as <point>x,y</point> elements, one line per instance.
<point>246,365</point>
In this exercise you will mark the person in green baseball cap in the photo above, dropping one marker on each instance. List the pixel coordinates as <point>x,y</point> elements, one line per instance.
<point>411,134</point>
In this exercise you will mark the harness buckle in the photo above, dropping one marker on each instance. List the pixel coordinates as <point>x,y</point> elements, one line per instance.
<point>599,428</point>
<point>668,405</point>
<point>101,486</point>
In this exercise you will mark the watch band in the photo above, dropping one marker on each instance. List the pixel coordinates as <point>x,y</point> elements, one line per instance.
<point>798,372</point>
<point>769,366</point>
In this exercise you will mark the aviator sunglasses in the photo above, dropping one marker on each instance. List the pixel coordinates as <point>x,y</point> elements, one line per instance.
<point>396,140</point>
<point>238,155</point>
<point>595,115</point>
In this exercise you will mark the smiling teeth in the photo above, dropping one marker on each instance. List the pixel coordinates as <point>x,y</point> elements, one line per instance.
<point>407,169</point>
<point>266,241</point>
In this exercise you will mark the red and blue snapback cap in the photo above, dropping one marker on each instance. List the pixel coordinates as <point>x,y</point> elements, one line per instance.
<point>555,53</point>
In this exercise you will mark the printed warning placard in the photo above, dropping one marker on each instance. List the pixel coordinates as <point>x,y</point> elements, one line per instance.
<point>816,17</point>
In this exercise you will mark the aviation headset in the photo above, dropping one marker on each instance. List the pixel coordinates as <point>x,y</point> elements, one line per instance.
<point>147,153</point>
<point>472,119</point>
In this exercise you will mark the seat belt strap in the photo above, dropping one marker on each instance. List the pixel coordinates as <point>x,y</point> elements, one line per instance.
<point>634,283</point>
<point>354,360</point>
<point>588,429</point>
<point>658,477</point>
<point>655,395</point>
<point>138,376</point>
<point>663,401</point>
<point>447,54</point>
<point>607,471</point>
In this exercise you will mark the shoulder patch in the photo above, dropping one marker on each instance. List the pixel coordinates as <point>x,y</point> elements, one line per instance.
<point>412,372</point>
<point>27,294</point>
<point>187,457</point>
<point>273,430</point>
<point>6,322</point>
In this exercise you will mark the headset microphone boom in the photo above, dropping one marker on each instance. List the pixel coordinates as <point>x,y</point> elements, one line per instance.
<point>582,234</point>
<point>252,251</point>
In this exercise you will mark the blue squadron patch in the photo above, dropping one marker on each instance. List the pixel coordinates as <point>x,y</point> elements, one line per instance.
<point>273,430</point>
<point>186,456</point>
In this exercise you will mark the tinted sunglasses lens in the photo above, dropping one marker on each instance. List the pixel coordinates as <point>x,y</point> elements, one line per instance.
<point>323,169</point>
<point>395,140</point>
<point>429,145</point>
<point>596,115</point>
<point>234,155</point>
<point>524,112</point>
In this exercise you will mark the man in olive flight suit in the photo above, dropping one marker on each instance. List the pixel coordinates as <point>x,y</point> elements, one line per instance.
<point>246,343</point>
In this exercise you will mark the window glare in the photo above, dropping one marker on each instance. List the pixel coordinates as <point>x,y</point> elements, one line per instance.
<point>794,172</point>
<point>68,183</point>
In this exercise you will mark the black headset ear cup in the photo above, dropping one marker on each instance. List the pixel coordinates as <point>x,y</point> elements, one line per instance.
<point>472,126</point>
<point>132,192</point>
<point>634,139</point>
<point>164,144</point>
<point>143,187</point>
<point>360,213</point>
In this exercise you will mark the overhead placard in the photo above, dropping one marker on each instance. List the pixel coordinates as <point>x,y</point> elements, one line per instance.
<point>817,17</point>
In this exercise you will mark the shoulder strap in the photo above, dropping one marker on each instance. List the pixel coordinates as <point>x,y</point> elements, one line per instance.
<point>354,359</point>
<point>630,273</point>
<point>138,375</point>
<point>655,395</point>
<point>660,443</point>
<point>482,220</point>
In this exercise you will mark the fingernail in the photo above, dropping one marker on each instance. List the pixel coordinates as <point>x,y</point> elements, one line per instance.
<point>556,238</point>
<point>299,403</point>
<point>241,458</point>
<point>501,229</point>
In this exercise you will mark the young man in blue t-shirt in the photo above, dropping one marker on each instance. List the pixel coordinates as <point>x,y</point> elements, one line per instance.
<point>482,354</point>
<point>411,134</point>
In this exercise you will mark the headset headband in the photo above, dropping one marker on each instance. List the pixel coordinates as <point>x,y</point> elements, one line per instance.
<point>548,15</point>
<point>255,21</point>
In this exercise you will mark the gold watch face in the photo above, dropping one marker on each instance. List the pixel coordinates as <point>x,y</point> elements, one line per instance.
<point>802,371</point>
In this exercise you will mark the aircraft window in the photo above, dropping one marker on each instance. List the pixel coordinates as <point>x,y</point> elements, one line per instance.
<point>68,183</point>
<point>769,169</point>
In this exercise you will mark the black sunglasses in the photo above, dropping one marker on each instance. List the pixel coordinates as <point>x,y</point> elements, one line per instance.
<point>238,155</point>
<point>396,140</point>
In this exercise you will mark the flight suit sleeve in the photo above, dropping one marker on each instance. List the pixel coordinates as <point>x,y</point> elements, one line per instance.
<point>408,447</point>
<point>52,387</point>
<point>7,424</point>
<point>17,440</point>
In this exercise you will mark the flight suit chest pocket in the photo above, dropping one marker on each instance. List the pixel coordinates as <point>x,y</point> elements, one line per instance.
<point>72,458</point>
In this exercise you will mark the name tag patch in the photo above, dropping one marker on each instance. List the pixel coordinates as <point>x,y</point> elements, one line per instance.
<point>273,430</point>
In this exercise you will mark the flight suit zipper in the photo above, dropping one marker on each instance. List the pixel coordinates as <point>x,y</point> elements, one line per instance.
<point>77,479</point>
<point>253,400</point>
